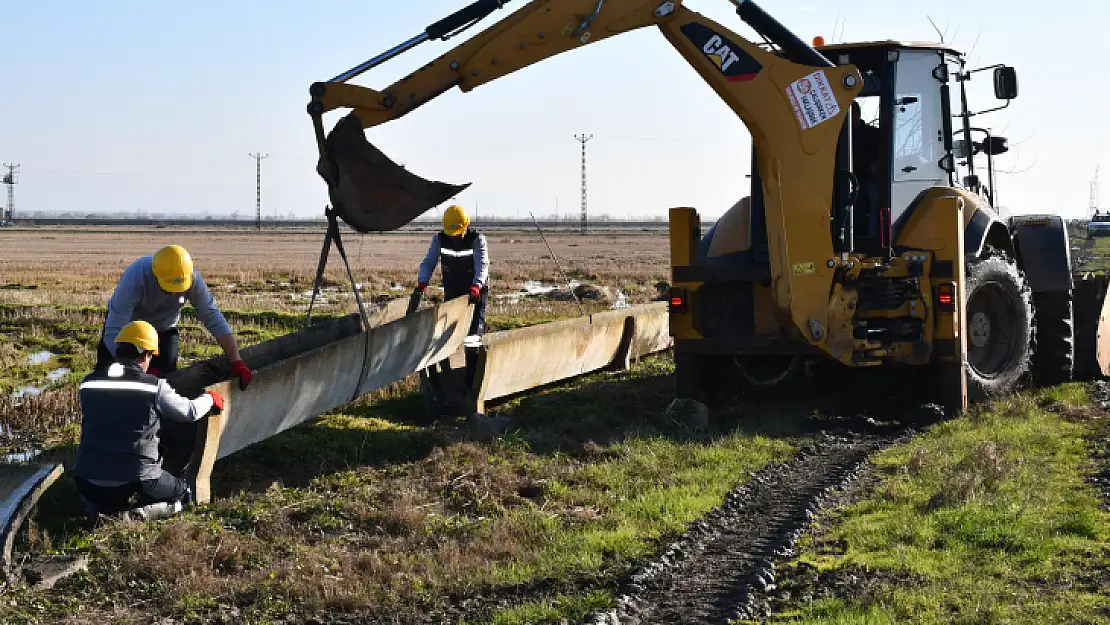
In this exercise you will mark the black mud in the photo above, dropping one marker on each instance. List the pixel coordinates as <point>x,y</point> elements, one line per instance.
<point>1099,444</point>
<point>723,568</point>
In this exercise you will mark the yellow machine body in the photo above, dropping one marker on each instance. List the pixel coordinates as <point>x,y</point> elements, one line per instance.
<point>813,290</point>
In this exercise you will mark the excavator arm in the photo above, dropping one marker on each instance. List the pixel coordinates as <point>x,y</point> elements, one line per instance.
<point>793,103</point>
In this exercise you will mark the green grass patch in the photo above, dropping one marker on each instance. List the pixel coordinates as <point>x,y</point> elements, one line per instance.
<point>560,609</point>
<point>366,511</point>
<point>984,519</point>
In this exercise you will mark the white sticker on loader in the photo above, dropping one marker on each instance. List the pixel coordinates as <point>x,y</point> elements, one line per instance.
<point>813,100</point>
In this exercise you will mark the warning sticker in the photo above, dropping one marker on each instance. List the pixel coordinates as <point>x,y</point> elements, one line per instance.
<point>812,99</point>
<point>804,269</point>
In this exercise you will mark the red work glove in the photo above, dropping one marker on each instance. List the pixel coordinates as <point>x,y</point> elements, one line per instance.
<point>243,372</point>
<point>422,287</point>
<point>475,292</point>
<point>217,402</point>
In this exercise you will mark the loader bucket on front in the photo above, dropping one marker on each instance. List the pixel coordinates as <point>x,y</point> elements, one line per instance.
<point>1091,309</point>
<point>368,190</point>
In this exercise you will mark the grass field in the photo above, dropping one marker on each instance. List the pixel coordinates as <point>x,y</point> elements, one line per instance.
<point>987,518</point>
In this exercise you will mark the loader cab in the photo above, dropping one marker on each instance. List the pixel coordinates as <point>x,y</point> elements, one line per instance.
<point>914,131</point>
<point>898,143</point>
<point>909,130</point>
<point>891,146</point>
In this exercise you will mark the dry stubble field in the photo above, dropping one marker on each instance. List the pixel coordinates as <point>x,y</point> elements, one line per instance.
<point>252,270</point>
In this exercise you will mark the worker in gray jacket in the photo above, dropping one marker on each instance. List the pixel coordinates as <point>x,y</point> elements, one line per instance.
<point>464,256</point>
<point>119,466</point>
<point>154,289</point>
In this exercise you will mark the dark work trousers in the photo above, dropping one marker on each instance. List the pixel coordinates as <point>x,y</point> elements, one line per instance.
<point>477,326</point>
<point>478,321</point>
<point>115,499</point>
<point>165,362</point>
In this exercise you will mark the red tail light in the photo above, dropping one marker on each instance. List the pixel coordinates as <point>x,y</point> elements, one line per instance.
<point>946,297</point>
<point>677,298</point>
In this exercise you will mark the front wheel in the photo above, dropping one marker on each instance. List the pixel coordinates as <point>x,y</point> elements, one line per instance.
<point>999,326</point>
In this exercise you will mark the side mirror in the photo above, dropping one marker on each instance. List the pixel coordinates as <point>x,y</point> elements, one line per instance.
<point>959,149</point>
<point>995,146</point>
<point>1005,83</point>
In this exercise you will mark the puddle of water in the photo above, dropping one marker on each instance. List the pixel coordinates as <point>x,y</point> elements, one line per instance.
<point>39,358</point>
<point>9,434</point>
<point>326,295</point>
<point>54,376</point>
<point>533,288</point>
<point>24,391</point>
<point>24,456</point>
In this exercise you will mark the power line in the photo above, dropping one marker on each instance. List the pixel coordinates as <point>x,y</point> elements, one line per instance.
<point>258,188</point>
<point>10,180</point>
<point>583,139</point>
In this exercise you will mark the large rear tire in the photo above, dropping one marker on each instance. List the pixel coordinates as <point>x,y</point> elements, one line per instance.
<point>999,326</point>
<point>1054,338</point>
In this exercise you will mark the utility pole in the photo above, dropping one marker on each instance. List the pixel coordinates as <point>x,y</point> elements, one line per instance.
<point>10,180</point>
<point>583,139</point>
<point>1092,206</point>
<point>258,188</point>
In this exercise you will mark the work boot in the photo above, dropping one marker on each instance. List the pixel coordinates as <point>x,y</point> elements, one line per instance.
<point>154,511</point>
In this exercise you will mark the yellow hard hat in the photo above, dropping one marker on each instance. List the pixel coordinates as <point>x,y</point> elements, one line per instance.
<point>140,334</point>
<point>455,221</point>
<point>174,268</point>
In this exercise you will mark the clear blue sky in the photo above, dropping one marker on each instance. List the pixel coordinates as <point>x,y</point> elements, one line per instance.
<point>131,105</point>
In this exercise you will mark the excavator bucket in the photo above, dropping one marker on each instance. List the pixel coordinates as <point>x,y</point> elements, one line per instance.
<point>369,191</point>
<point>1092,327</point>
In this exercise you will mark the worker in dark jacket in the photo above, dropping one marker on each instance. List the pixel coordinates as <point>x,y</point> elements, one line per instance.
<point>119,466</point>
<point>464,257</point>
<point>154,289</point>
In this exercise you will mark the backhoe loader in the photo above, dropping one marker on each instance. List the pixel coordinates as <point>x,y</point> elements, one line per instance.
<point>868,238</point>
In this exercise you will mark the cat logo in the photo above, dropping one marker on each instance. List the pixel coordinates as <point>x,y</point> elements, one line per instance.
<point>736,64</point>
<point>719,53</point>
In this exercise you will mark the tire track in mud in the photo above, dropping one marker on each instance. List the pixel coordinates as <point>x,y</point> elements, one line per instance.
<point>718,569</point>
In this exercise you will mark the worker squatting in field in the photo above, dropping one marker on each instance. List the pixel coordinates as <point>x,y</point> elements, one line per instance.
<point>119,457</point>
